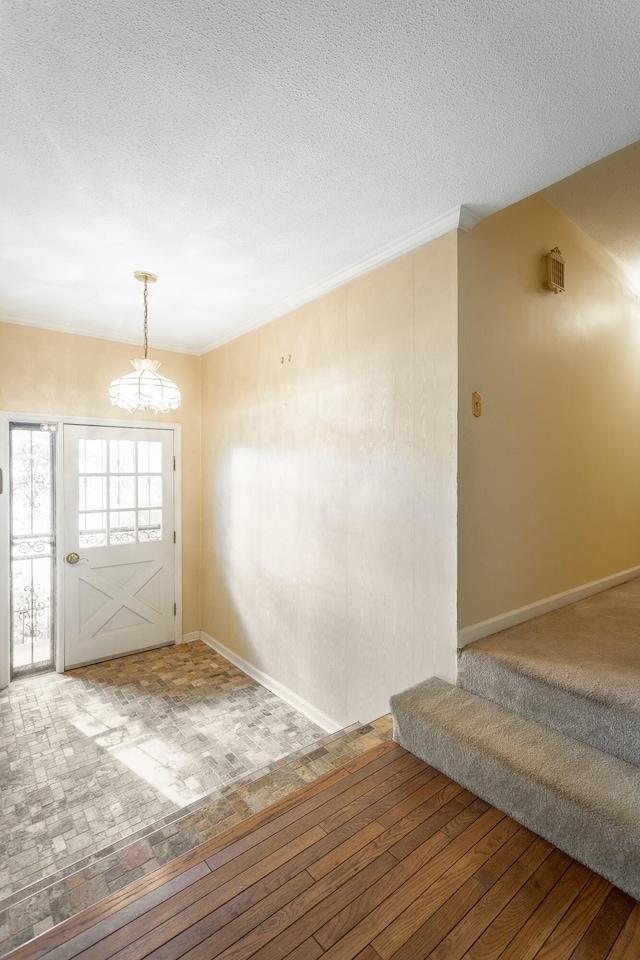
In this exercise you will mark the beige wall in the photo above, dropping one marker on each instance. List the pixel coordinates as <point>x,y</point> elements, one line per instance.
<point>43,372</point>
<point>549,476</point>
<point>329,488</point>
<point>328,483</point>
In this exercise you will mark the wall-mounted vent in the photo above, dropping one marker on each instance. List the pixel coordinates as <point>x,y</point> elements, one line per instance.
<point>554,271</point>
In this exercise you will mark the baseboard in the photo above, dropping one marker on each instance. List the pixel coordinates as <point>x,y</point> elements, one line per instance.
<point>190,637</point>
<point>301,705</point>
<point>513,617</point>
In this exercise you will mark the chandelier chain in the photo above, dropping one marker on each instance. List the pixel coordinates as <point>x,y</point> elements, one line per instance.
<point>146,335</point>
<point>145,389</point>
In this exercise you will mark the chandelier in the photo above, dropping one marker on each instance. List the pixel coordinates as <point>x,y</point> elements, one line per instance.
<point>144,389</point>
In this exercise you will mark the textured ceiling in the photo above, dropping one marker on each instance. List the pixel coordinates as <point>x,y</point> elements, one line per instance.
<point>249,152</point>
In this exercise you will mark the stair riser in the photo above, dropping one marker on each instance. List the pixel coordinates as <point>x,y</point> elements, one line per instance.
<point>606,727</point>
<point>605,836</point>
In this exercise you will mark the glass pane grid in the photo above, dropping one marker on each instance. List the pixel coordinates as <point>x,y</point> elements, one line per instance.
<point>120,497</point>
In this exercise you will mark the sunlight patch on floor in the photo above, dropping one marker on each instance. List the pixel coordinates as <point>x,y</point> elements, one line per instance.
<point>156,774</point>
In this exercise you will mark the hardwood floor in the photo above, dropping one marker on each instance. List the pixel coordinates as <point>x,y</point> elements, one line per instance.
<point>383,858</point>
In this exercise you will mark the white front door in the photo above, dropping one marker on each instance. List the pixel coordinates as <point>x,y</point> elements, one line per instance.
<point>118,520</point>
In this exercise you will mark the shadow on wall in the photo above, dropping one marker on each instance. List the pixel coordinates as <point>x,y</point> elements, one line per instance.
<point>319,584</point>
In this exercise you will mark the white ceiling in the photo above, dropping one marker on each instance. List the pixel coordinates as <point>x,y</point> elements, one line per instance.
<point>250,151</point>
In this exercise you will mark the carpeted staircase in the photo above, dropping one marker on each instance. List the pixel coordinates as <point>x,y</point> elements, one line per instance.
<point>544,723</point>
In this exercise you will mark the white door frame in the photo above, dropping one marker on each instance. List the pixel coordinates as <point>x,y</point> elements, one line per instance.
<point>5,607</point>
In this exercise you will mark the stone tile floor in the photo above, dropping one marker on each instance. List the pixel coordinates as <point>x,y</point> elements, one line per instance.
<point>89,757</point>
<point>66,890</point>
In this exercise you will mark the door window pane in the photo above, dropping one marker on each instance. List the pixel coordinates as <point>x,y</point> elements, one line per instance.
<point>92,456</point>
<point>150,491</point>
<point>149,456</point>
<point>122,456</point>
<point>120,491</point>
<point>92,529</point>
<point>92,493</point>
<point>149,525</point>
<point>122,526</point>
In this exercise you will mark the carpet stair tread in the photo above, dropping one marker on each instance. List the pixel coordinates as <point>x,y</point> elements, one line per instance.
<point>576,669</point>
<point>583,800</point>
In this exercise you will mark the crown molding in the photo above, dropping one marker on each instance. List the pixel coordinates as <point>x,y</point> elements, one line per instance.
<point>468,219</point>
<point>459,218</point>
<point>98,334</point>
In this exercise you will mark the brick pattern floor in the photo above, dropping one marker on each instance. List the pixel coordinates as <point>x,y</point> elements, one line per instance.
<point>51,900</point>
<point>89,757</point>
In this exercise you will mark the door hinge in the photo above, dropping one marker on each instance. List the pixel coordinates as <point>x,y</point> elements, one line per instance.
<point>174,463</point>
<point>175,609</point>
<point>174,536</point>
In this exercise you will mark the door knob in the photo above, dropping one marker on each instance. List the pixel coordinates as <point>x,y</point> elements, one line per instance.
<point>72,557</point>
